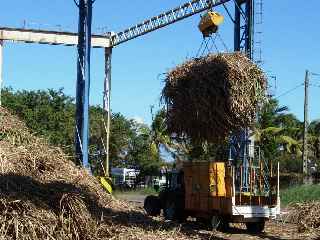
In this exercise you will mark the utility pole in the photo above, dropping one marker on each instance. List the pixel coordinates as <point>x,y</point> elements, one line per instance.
<point>305,122</point>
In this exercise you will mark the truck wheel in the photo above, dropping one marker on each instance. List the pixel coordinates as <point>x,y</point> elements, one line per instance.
<point>169,210</point>
<point>152,205</point>
<point>219,224</point>
<point>172,211</point>
<point>255,227</point>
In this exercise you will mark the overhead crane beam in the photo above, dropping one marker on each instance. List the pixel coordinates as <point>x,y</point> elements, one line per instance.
<point>49,37</point>
<point>164,19</point>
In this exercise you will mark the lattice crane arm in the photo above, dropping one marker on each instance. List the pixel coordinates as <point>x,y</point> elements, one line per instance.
<point>164,19</point>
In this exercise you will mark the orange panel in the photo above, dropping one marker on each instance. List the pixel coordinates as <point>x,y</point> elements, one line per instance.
<point>217,179</point>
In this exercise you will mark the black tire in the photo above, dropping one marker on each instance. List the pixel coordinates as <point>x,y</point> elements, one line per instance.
<point>255,227</point>
<point>169,210</point>
<point>174,209</point>
<point>218,223</point>
<point>152,205</point>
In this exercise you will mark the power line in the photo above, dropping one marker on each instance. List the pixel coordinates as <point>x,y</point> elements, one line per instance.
<point>289,91</point>
<point>313,85</point>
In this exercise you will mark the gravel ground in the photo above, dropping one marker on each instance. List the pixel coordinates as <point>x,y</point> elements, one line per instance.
<point>274,230</point>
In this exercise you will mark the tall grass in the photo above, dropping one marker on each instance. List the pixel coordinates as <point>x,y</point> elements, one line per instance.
<point>301,193</point>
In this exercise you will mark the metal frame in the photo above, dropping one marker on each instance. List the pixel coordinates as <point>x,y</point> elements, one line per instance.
<point>166,18</point>
<point>83,82</point>
<point>106,104</point>
<point>49,37</point>
<point>243,26</point>
<point>242,33</point>
<point>243,41</point>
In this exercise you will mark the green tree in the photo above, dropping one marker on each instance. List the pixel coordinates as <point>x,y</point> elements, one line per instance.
<point>51,113</point>
<point>48,113</point>
<point>278,134</point>
<point>140,154</point>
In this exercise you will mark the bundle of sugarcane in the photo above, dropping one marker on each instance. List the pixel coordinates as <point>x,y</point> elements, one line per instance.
<point>44,195</point>
<point>306,215</point>
<point>209,97</point>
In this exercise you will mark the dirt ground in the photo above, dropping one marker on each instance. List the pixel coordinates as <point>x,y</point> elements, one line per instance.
<point>274,230</point>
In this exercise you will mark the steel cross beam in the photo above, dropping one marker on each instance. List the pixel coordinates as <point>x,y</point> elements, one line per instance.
<point>169,17</point>
<point>49,37</point>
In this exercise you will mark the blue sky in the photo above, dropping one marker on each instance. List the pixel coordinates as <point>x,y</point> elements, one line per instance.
<point>289,44</point>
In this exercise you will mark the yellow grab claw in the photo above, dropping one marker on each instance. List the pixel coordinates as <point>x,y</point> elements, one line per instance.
<point>209,23</point>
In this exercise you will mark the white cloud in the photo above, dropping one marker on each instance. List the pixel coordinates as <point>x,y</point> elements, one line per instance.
<point>138,119</point>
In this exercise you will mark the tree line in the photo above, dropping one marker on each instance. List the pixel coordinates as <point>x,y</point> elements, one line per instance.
<point>50,114</point>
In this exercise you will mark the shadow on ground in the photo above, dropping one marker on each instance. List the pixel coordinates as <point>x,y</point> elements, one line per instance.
<point>48,196</point>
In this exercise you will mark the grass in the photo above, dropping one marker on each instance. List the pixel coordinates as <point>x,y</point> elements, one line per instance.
<point>301,193</point>
<point>141,191</point>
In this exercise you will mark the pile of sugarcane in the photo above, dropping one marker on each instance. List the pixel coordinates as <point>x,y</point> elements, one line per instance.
<point>209,97</point>
<point>43,195</point>
<point>306,215</point>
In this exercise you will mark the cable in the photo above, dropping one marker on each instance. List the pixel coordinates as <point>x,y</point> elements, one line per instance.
<point>77,4</point>
<point>214,43</point>
<point>223,43</point>
<point>289,91</point>
<point>227,10</point>
<point>205,47</point>
<point>197,55</point>
<point>313,85</point>
<point>242,13</point>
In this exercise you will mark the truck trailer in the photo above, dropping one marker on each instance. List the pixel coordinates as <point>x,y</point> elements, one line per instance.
<point>220,193</point>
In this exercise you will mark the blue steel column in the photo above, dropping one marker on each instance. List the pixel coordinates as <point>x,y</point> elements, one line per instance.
<point>249,28</point>
<point>83,82</point>
<point>80,81</point>
<point>243,35</point>
<point>85,127</point>
<point>237,28</point>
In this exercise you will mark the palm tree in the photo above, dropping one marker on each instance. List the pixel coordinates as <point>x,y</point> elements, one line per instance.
<point>278,130</point>
<point>163,142</point>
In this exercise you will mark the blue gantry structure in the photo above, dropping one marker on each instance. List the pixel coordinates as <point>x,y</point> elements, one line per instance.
<point>243,19</point>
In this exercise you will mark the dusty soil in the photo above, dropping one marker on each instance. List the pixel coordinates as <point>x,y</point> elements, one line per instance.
<point>274,230</point>
<point>133,198</point>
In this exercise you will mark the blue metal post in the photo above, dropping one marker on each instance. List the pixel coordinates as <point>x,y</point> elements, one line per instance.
<point>85,127</point>
<point>80,81</point>
<point>83,82</point>
<point>243,36</point>
<point>237,27</point>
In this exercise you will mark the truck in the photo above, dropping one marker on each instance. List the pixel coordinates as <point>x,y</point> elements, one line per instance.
<point>220,193</point>
<point>124,177</point>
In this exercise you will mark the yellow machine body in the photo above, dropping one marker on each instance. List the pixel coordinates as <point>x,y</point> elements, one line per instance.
<point>209,186</point>
<point>209,23</point>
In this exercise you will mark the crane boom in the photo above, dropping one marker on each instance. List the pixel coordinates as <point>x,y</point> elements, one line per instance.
<point>186,10</point>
